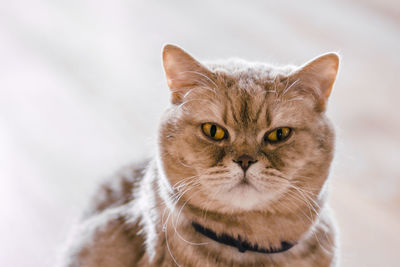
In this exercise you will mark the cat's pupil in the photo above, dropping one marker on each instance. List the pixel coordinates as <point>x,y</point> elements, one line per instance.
<point>213,130</point>
<point>279,134</point>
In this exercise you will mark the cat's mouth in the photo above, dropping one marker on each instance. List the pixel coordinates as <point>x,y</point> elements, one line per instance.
<point>244,184</point>
<point>245,180</point>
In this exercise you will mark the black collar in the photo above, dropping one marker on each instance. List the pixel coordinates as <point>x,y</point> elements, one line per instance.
<point>242,246</point>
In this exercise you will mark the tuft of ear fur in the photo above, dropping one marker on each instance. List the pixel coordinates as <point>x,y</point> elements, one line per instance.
<point>183,72</point>
<point>319,75</point>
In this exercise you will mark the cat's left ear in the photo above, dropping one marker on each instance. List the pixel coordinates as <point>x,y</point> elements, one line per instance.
<point>319,75</point>
<point>183,72</point>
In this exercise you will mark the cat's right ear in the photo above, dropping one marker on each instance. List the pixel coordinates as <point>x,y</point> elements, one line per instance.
<point>183,72</point>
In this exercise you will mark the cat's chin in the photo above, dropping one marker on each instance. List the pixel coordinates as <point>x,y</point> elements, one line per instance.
<point>245,197</point>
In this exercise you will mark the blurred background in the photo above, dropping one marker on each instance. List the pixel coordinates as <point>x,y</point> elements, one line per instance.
<point>82,91</point>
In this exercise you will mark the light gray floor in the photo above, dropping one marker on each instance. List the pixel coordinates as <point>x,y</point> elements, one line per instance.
<point>82,90</point>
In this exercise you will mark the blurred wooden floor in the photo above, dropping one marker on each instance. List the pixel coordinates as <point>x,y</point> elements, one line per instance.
<point>82,90</point>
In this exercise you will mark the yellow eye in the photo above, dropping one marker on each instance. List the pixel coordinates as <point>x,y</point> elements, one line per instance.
<point>278,135</point>
<point>213,131</point>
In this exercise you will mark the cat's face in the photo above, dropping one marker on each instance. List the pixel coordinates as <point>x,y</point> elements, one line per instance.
<point>242,136</point>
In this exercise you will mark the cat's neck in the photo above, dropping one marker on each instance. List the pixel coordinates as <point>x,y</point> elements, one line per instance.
<point>256,227</point>
<point>259,229</point>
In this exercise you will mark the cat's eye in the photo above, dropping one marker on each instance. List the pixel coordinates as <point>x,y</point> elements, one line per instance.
<point>213,131</point>
<point>278,135</point>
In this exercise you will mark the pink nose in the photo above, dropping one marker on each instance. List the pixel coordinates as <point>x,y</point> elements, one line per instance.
<point>245,161</point>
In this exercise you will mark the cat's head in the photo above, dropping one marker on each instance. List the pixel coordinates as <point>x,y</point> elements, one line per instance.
<point>242,136</point>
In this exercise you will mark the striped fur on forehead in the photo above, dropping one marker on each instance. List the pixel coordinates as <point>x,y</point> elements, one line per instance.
<point>244,97</point>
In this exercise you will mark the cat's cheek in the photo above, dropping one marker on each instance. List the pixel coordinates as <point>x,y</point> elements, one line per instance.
<point>297,154</point>
<point>301,148</point>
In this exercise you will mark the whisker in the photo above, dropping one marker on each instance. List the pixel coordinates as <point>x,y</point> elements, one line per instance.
<point>289,87</point>
<point>191,100</point>
<point>202,75</point>
<point>177,221</point>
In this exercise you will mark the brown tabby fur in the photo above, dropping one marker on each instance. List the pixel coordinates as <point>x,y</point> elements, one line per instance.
<point>143,217</point>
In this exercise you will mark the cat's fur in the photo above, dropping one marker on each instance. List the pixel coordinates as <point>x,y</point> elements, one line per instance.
<point>143,217</point>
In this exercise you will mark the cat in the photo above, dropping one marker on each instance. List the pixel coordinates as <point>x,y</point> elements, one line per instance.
<point>239,179</point>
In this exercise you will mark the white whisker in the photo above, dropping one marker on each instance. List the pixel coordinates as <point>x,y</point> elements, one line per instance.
<point>289,87</point>
<point>202,75</point>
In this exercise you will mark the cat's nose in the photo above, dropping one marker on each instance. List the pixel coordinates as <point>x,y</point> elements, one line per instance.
<point>245,161</point>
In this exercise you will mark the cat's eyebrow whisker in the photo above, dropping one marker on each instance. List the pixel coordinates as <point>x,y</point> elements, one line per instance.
<point>201,83</point>
<point>201,86</point>
<point>205,86</point>
<point>289,87</point>
<point>200,74</point>
<point>191,100</point>
<point>275,85</point>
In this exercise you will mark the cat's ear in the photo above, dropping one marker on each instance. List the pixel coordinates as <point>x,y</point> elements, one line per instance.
<point>183,72</point>
<point>318,75</point>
